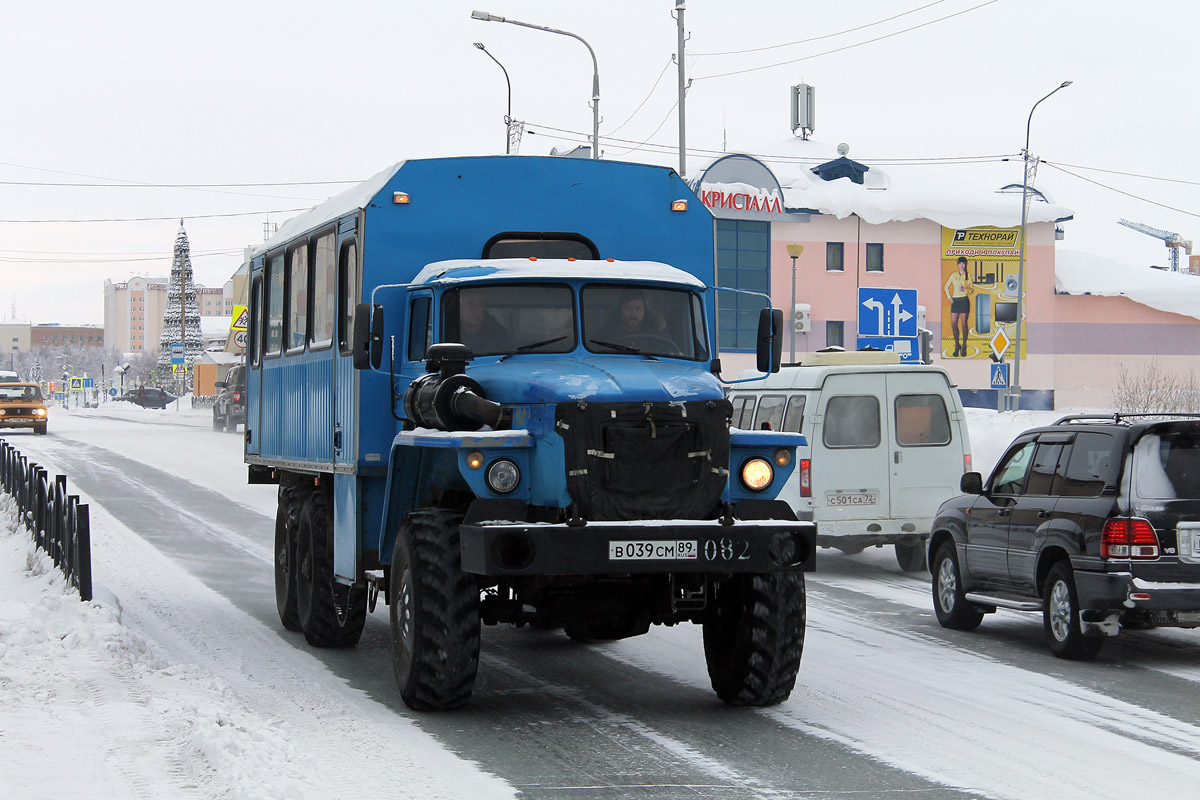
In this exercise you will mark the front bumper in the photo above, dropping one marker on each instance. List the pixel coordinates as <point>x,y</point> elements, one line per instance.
<point>622,548</point>
<point>1120,591</point>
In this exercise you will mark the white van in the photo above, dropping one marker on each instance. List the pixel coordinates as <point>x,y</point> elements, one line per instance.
<point>887,443</point>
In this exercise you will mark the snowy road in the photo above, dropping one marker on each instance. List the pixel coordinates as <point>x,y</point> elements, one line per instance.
<point>888,704</point>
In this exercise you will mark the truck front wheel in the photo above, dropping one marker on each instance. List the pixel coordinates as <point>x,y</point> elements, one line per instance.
<point>754,637</point>
<point>434,611</point>
<point>328,617</point>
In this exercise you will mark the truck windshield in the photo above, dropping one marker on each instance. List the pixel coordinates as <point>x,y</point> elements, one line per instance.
<point>509,318</point>
<point>619,318</point>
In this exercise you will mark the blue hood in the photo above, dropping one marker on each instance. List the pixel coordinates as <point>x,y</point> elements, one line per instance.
<point>529,379</point>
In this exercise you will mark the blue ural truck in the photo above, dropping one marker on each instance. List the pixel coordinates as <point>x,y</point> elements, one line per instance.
<point>487,389</point>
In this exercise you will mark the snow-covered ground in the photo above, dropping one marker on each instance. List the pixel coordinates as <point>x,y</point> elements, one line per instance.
<point>160,687</point>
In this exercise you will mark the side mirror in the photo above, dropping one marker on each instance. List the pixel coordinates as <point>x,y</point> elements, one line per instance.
<point>367,336</point>
<point>220,384</point>
<point>971,483</point>
<point>769,346</point>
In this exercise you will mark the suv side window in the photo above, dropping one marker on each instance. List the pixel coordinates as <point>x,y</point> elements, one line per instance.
<point>1044,470</point>
<point>1009,477</point>
<point>1091,466</point>
<point>852,421</point>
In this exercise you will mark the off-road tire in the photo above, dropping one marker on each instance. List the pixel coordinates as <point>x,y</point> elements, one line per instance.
<point>1060,617</point>
<point>330,615</point>
<point>218,422</point>
<point>287,523</point>
<point>949,595</point>
<point>754,637</point>
<point>911,557</point>
<point>434,608</point>
<point>230,423</point>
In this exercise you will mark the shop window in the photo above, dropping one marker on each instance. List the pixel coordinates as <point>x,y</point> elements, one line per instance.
<point>835,257</point>
<point>875,258</point>
<point>743,262</point>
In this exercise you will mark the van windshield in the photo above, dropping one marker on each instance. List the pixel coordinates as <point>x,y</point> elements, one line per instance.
<point>619,318</point>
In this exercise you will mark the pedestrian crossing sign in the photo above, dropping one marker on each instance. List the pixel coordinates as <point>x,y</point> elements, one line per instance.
<point>999,376</point>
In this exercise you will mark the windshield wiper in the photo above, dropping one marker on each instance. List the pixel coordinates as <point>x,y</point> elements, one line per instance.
<point>623,348</point>
<point>525,348</point>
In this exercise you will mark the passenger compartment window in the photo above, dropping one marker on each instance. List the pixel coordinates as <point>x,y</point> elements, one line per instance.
<point>770,412</point>
<point>743,411</point>
<point>348,276</point>
<point>1167,466</point>
<point>793,420</point>
<point>324,291</point>
<point>922,419</point>
<point>1009,477</point>
<point>1043,471</point>
<point>1090,468</point>
<point>274,317</point>
<point>852,421</point>
<point>297,288</point>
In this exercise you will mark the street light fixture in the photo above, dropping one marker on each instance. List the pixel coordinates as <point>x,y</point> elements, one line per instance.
<point>794,250</point>
<point>1014,390</point>
<point>484,16</point>
<point>508,113</point>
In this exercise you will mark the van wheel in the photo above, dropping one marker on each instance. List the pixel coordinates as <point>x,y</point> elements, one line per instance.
<point>911,557</point>
<point>949,596</point>
<point>754,637</point>
<point>434,608</point>
<point>1060,616</point>
<point>330,615</point>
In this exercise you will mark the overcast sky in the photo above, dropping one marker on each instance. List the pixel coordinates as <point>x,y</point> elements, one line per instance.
<point>207,95</point>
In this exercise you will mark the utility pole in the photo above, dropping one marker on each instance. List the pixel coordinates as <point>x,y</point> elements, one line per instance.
<point>679,9</point>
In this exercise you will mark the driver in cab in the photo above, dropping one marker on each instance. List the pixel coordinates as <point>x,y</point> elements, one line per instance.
<point>630,319</point>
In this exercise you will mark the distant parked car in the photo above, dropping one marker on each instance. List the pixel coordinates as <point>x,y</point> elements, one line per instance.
<point>229,409</point>
<point>1094,521</point>
<point>21,406</point>
<point>148,397</point>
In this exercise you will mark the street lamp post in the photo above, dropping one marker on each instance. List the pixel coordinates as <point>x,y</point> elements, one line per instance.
<point>1014,391</point>
<point>794,250</point>
<point>508,112</point>
<point>486,17</point>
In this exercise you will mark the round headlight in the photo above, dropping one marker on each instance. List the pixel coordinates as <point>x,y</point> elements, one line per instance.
<point>503,476</point>
<point>757,474</point>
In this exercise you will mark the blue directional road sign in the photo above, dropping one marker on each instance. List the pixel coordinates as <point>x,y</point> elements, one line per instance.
<point>999,376</point>
<point>887,312</point>
<point>906,346</point>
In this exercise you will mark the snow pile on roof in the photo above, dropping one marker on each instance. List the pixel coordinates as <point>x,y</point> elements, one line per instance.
<point>455,270</point>
<point>1076,272</point>
<point>895,194</point>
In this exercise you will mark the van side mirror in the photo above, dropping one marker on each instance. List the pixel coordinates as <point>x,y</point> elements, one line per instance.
<point>971,483</point>
<point>769,343</point>
<point>367,339</point>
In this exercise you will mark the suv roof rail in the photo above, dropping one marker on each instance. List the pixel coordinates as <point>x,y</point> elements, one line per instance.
<point>1118,417</point>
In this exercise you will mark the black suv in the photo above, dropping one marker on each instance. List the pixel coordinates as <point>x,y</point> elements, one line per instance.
<point>229,409</point>
<point>1094,521</point>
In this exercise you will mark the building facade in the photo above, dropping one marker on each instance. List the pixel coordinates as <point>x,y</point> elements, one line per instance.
<point>133,310</point>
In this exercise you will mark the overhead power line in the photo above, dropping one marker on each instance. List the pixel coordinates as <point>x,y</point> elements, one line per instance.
<point>155,219</point>
<point>1121,191</point>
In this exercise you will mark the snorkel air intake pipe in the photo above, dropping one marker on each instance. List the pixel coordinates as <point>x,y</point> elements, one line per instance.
<point>446,398</point>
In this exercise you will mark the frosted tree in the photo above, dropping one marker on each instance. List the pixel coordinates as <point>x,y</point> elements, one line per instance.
<point>182,315</point>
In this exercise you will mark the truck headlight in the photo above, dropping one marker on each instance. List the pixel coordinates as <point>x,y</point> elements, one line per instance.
<point>503,476</point>
<point>757,474</point>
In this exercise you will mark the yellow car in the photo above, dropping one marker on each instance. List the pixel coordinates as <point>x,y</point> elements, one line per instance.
<point>21,406</point>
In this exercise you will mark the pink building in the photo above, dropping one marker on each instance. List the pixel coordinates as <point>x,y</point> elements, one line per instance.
<point>868,228</point>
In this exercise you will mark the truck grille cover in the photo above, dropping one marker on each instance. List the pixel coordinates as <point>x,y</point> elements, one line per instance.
<point>657,460</point>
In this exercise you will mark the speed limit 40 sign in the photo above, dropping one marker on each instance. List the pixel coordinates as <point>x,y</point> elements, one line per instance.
<point>240,338</point>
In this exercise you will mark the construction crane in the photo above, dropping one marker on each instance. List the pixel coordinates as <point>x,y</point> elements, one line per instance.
<point>1173,240</point>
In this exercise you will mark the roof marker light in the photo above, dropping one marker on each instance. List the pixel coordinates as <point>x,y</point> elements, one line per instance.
<point>679,205</point>
<point>401,198</point>
<point>610,260</point>
<point>533,258</point>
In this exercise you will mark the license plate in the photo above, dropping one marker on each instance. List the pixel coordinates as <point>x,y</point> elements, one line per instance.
<point>855,499</point>
<point>1189,541</point>
<point>16,419</point>
<point>653,550</point>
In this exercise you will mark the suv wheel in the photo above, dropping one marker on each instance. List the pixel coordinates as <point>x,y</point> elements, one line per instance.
<point>1060,615</point>
<point>949,597</point>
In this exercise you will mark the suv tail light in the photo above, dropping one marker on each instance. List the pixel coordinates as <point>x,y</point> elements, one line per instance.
<point>237,397</point>
<point>1129,538</point>
<point>806,477</point>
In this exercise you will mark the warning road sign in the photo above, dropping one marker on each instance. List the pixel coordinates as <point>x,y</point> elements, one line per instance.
<point>241,318</point>
<point>179,369</point>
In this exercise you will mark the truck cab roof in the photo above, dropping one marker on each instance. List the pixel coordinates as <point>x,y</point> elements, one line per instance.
<point>456,270</point>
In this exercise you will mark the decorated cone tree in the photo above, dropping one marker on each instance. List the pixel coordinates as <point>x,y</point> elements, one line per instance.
<point>181,319</point>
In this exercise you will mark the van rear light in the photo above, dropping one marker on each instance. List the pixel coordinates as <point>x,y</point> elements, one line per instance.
<point>966,463</point>
<point>806,477</point>
<point>1129,538</point>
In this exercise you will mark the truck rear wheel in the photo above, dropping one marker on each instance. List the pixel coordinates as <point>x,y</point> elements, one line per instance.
<point>434,612</point>
<point>287,522</point>
<point>330,616</point>
<point>754,637</point>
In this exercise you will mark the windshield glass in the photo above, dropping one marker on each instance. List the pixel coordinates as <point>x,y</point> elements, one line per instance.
<point>509,318</point>
<point>1167,465</point>
<point>20,391</point>
<point>618,318</point>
